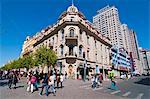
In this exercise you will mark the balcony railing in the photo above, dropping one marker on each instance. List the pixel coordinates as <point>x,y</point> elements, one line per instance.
<point>71,36</point>
<point>71,54</point>
<point>51,44</point>
<point>71,39</point>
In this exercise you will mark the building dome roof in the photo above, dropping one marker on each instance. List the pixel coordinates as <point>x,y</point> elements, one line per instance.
<point>72,9</point>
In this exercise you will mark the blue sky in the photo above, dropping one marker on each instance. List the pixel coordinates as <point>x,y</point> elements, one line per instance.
<point>20,18</point>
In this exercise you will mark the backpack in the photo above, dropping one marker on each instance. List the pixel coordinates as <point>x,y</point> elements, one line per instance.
<point>33,79</point>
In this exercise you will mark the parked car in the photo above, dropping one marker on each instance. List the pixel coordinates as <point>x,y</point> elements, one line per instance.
<point>145,74</point>
<point>135,73</point>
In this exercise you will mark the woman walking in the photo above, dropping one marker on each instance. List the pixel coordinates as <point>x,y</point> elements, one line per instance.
<point>51,83</point>
<point>29,81</point>
<point>61,80</point>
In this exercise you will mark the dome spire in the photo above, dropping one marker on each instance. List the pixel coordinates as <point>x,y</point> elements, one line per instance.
<point>72,3</point>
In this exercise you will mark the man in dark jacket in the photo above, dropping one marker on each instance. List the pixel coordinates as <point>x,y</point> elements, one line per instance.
<point>12,79</point>
<point>44,84</point>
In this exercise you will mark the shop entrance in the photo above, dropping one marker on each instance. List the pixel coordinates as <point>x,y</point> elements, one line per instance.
<point>80,72</point>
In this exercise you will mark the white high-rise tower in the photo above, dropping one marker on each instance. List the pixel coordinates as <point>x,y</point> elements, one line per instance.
<point>107,22</point>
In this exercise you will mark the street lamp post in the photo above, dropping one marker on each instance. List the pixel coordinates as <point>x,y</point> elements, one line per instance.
<point>103,68</point>
<point>84,76</point>
<point>84,69</point>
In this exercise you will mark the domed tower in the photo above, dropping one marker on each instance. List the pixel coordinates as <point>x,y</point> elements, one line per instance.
<point>72,9</point>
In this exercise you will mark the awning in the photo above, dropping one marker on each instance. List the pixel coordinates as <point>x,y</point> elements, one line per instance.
<point>122,68</point>
<point>109,67</point>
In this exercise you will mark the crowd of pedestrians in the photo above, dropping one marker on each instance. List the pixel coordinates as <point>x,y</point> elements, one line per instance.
<point>12,76</point>
<point>36,79</point>
<point>49,81</point>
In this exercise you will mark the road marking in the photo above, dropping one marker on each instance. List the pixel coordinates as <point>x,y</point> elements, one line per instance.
<point>106,90</point>
<point>87,87</point>
<point>115,92</point>
<point>84,86</point>
<point>139,96</point>
<point>126,94</point>
<point>98,88</point>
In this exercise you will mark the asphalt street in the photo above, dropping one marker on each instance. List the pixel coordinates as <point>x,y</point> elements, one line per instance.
<point>135,88</point>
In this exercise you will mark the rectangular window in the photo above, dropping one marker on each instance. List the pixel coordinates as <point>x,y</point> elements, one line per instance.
<point>88,54</point>
<point>88,40</point>
<point>62,31</point>
<point>80,35</point>
<point>95,44</point>
<point>57,37</point>
<point>96,57</point>
<point>53,40</point>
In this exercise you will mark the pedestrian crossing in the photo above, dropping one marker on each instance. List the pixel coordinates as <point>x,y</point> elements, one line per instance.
<point>139,96</point>
<point>126,94</point>
<point>112,92</point>
<point>98,88</point>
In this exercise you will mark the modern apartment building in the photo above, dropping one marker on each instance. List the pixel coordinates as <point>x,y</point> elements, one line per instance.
<point>107,22</point>
<point>134,50</point>
<point>76,43</point>
<point>126,37</point>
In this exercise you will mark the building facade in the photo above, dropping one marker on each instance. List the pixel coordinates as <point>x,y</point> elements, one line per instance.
<point>130,43</point>
<point>28,45</point>
<point>126,37</point>
<point>76,43</point>
<point>108,23</point>
<point>121,61</point>
<point>145,61</point>
<point>135,51</point>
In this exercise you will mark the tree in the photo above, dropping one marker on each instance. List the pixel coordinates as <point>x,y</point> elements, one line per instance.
<point>27,61</point>
<point>42,56</point>
<point>45,56</point>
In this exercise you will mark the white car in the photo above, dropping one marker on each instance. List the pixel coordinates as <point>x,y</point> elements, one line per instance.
<point>123,76</point>
<point>136,73</point>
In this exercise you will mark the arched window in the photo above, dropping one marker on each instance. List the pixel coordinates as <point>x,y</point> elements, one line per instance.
<point>80,50</point>
<point>71,32</point>
<point>62,49</point>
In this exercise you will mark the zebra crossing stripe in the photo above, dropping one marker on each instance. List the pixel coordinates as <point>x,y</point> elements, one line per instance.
<point>115,92</point>
<point>126,94</point>
<point>106,90</point>
<point>139,96</point>
<point>98,89</point>
<point>85,86</point>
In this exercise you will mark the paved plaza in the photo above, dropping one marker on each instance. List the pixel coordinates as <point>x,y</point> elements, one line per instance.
<point>77,89</point>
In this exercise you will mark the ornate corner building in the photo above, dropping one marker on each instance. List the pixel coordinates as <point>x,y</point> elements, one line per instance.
<point>75,41</point>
